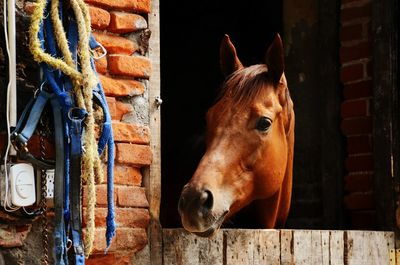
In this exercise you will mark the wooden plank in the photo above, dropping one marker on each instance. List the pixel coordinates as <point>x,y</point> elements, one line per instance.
<point>355,248</point>
<point>316,247</point>
<point>302,247</point>
<point>369,247</point>
<point>239,246</point>
<point>183,248</point>
<point>259,247</point>
<point>152,178</point>
<point>266,247</point>
<point>286,238</point>
<point>336,247</point>
<point>377,245</point>
<point>325,255</point>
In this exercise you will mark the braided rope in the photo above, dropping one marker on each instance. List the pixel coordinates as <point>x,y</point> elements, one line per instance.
<point>62,42</point>
<point>90,154</point>
<point>35,47</point>
<point>83,84</point>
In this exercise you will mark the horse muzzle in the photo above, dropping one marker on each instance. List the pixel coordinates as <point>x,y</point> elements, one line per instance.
<point>197,210</point>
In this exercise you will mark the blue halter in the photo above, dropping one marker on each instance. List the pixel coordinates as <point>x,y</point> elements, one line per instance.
<point>60,85</point>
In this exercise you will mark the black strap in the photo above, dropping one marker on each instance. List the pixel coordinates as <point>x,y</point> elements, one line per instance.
<point>76,117</point>
<point>25,128</point>
<point>61,256</point>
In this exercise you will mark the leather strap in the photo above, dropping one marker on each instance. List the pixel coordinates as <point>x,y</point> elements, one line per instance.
<point>60,239</point>
<point>76,117</point>
<point>25,128</point>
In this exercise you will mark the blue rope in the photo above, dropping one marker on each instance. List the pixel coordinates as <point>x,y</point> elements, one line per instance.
<point>106,138</point>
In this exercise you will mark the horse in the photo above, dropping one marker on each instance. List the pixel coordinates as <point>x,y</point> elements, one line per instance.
<point>248,162</point>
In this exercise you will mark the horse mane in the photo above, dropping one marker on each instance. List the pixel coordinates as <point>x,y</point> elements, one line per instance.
<point>244,85</point>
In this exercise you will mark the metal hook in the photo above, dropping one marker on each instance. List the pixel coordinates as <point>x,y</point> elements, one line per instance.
<point>104,52</point>
<point>35,94</point>
<point>158,101</point>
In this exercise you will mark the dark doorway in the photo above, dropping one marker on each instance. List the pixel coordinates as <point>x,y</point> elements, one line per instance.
<point>190,77</point>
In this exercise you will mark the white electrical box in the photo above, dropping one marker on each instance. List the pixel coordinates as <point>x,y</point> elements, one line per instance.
<point>22,184</point>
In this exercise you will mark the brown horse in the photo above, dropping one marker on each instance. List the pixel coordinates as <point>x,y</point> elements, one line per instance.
<point>249,156</point>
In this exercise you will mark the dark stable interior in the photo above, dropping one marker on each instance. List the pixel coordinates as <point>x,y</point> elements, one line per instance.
<point>191,32</point>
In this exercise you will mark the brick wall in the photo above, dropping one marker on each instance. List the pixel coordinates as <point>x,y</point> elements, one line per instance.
<point>356,77</point>
<point>121,27</point>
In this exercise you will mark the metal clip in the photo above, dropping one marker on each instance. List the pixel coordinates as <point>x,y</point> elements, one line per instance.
<point>158,101</point>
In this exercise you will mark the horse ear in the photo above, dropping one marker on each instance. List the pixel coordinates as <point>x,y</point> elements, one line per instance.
<point>274,58</point>
<point>229,61</point>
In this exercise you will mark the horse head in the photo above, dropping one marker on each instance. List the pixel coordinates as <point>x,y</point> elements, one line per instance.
<point>249,154</point>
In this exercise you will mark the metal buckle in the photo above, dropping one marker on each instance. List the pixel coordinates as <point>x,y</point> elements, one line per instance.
<point>18,143</point>
<point>78,250</point>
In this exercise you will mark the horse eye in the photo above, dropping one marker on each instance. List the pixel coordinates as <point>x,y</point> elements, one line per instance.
<point>263,124</point>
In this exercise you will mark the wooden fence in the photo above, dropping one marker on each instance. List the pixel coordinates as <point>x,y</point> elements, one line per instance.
<point>259,247</point>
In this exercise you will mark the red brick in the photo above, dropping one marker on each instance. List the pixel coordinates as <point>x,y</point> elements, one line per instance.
<point>362,125</point>
<point>359,163</point>
<point>136,6</point>
<point>351,32</point>
<point>101,195</point>
<point>112,258</point>
<point>351,13</point>
<point>116,44</point>
<point>352,72</point>
<point>132,239</point>
<point>99,243</point>
<point>125,217</point>
<point>364,220</point>
<point>359,201</point>
<point>355,108</point>
<point>122,109</point>
<point>127,175</point>
<point>29,7</point>
<point>100,18</point>
<point>121,87</point>
<point>133,154</point>
<point>131,133</point>
<point>125,22</point>
<point>13,236</point>
<point>101,65</point>
<point>131,196</point>
<point>359,182</point>
<point>360,89</point>
<point>112,106</point>
<point>359,51</point>
<point>359,144</point>
<point>117,108</point>
<point>132,217</point>
<point>134,66</point>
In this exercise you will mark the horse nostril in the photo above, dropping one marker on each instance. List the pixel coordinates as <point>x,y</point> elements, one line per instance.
<point>207,200</point>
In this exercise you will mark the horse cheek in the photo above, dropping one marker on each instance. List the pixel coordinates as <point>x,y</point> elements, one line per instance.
<point>270,173</point>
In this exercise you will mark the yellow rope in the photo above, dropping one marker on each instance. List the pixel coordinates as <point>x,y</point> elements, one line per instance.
<point>91,163</point>
<point>62,43</point>
<point>38,54</point>
<point>83,83</point>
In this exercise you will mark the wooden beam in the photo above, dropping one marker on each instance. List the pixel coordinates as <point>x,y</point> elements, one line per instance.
<point>262,246</point>
<point>385,109</point>
<point>153,182</point>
